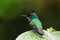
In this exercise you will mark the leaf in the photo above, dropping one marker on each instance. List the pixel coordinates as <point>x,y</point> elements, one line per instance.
<point>31,35</point>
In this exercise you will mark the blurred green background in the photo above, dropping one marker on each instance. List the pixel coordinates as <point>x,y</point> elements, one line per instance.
<point>12,23</point>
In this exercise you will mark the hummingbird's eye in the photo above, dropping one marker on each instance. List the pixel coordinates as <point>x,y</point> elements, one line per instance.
<point>28,15</point>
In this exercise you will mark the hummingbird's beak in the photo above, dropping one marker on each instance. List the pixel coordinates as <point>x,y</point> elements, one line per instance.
<point>24,15</point>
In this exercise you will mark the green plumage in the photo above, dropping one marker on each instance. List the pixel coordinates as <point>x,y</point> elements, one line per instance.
<point>35,21</point>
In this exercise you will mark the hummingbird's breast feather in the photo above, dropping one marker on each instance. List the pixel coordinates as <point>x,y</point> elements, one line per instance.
<point>37,23</point>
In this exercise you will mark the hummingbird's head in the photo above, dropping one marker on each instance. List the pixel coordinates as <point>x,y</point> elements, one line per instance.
<point>31,15</point>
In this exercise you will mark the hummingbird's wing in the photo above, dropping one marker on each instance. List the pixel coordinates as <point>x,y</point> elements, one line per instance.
<point>40,32</point>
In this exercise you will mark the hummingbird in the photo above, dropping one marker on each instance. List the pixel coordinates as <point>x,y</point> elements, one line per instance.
<point>34,22</point>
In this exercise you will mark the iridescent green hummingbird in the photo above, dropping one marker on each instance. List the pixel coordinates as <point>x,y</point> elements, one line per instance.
<point>35,23</point>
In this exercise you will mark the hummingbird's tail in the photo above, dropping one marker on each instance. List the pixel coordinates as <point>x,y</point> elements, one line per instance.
<point>40,32</point>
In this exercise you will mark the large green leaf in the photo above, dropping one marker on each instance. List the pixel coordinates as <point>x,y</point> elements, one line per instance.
<point>31,35</point>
